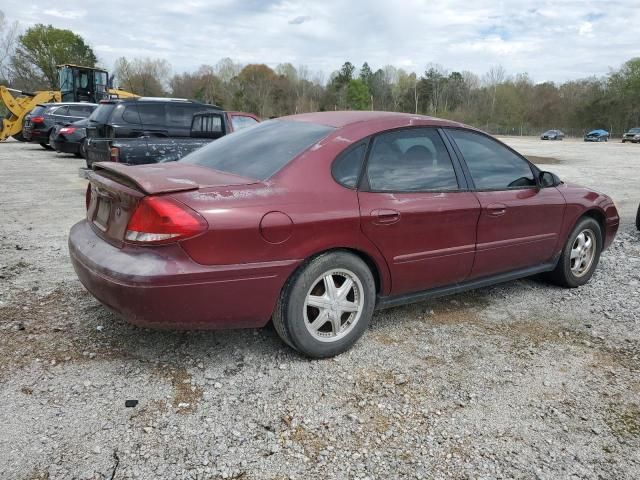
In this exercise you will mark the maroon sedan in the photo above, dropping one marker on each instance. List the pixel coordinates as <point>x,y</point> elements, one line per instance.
<point>316,220</point>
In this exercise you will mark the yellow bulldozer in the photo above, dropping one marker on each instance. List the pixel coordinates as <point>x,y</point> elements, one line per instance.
<point>77,84</point>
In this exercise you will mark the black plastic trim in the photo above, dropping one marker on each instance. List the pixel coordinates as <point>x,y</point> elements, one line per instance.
<point>397,300</point>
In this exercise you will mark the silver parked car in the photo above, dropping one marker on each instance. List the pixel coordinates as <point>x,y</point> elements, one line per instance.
<point>552,135</point>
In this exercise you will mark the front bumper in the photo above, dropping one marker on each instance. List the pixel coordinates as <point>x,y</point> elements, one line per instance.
<point>162,287</point>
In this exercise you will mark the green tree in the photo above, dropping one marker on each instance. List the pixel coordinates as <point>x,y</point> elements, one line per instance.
<point>42,47</point>
<point>358,95</point>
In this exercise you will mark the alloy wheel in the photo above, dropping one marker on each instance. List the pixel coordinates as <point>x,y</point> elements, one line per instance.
<point>583,252</point>
<point>333,305</point>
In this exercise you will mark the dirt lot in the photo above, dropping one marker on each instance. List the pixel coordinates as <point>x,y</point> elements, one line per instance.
<point>524,380</point>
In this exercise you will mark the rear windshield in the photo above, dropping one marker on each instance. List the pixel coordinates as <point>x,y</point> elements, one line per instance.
<point>261,151</point>
<point>38,110</point>
<point>102,113</point>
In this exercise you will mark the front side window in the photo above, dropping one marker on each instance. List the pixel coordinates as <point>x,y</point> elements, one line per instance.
<point>492,165</point>
<point>60,111</point>
<point>412,160</point>
<point>259,152</point>
<point>80,110</point>
<point>242,121</point>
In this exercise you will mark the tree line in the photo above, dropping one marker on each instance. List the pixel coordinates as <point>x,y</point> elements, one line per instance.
<point>495,101</point>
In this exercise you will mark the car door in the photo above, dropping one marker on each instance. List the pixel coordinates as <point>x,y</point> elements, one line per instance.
<point>520,222</point>
<point>414,208</point>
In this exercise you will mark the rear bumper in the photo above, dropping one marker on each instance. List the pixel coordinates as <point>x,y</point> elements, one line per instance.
<point>66,147</point>
<point>161,287</point>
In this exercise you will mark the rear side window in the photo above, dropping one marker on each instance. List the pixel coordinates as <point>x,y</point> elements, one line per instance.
<point>261,151</point>
<point>102,113</point>
<point>411,160</point>
<point>492,165</point>
<point>346,168</point>
<point>147,114</point>
<point>180,115</point>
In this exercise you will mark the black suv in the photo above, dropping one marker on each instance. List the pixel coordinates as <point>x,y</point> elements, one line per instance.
<point>150,129</point>
<point>38,126</point>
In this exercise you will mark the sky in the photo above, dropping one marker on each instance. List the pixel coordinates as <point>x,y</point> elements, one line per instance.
<point>551,41</point>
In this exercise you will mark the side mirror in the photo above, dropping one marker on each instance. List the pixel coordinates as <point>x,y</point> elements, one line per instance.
<point>548,179</point>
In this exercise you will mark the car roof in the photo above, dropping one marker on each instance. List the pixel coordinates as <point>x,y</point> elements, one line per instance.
<point>160,100</point>
<point>60,104</point>
<point>339,119</point>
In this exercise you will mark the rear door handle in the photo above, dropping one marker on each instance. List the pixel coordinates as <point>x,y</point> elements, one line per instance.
<point>385,216</point>
<point>496,209</point>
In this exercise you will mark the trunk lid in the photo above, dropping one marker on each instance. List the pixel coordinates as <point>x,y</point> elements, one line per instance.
<point>117,189</point>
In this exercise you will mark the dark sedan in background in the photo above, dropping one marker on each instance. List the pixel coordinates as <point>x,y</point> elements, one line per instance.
<point>598,135</point>
<point>38,126</point>
<point>552,135</point>
<point>71,138</point>
<point>633,136</point>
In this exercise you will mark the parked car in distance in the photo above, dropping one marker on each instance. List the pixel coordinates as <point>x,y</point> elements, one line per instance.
<point>552,135</point>
<point>597,136</point>
<point>151,130</point>
<point>71,138</point>
<point>38,125</point>
<point>315,220</point>
<point>633,135</point>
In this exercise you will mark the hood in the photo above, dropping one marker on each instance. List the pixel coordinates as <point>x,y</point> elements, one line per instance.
<point>169,177</point>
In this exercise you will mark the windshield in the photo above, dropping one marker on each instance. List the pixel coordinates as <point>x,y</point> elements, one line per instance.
<point>102,113</point>
<point>634,130</point>
<point>261,151</point>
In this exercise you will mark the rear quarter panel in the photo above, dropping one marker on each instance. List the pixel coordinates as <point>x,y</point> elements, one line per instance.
<point>300,212</point>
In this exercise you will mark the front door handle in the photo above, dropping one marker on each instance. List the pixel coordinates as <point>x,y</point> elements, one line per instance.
<point>385,216</point>
<point>496,209</point>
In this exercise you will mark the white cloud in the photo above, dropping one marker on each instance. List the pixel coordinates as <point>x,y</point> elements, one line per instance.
<point>549,40</point>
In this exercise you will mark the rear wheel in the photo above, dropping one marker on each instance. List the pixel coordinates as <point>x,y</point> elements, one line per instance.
<point>82,150</point>
<point>51,141</point>
<point>580,255</point>
<point>19,137</point>
<point>326,306</point>
<point>46,146</point>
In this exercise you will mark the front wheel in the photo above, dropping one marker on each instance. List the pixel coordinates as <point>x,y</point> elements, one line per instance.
<point>580,255</point>
<point>326,306</point>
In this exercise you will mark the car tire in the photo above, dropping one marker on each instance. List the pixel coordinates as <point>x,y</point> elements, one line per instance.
<point>580,254</point>
<point>82,149</point>
<point>51,141</point>
<point>46,146</point>
<point>638,218</point>
<point>19,137</point>
<point>309,317</point>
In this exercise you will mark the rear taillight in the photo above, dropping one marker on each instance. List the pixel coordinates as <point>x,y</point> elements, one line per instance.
<point>67,130</point>
<point>159,220</point>
<point>114,154</point>
<point>37,119</point>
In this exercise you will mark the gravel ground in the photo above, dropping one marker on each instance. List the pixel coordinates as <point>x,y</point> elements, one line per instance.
<point>524,380</point>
